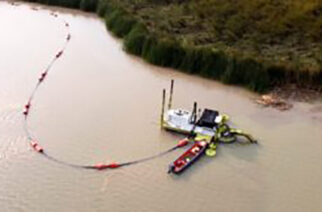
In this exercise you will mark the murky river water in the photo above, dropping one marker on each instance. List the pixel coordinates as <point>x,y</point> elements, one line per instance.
<point>100,104</point>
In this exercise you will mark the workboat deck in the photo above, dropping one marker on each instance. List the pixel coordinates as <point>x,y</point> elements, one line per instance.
<point>181,121</point>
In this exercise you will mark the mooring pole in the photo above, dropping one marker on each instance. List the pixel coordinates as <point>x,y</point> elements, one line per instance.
<point>193,117</point>
<point>194,112</point>
<point>171,93</point>
<point>162,110</point>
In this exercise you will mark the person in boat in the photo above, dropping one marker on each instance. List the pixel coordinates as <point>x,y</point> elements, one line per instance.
<point>195,150</point>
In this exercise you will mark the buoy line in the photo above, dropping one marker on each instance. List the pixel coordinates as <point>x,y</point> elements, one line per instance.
<point>33,141</point>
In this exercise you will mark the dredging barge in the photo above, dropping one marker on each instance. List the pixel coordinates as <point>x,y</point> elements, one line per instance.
<point>205,131</point>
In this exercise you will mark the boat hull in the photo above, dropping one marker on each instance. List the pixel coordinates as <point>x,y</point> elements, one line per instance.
<point>188,157</point>
<point>187,130</point>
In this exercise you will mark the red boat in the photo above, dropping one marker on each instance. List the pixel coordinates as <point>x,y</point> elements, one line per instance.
<point>187,158</point>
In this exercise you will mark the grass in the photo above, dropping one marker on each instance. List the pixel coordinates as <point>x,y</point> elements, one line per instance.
<point>63,3</point>
<point>257,44</point>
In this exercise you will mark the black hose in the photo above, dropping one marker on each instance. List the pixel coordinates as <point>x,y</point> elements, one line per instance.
<point>32,139</point>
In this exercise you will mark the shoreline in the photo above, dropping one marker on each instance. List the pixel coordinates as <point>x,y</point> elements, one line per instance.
<point>206,62</point>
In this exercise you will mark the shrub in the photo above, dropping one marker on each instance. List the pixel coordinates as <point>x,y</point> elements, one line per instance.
<point>213,63</point>
<point>119,22</point>
<point>63,3</point>
<point>276,74</point>
<point>102,6</point>
<point>134,41</point>
<point>88,5</point>
<point>225,25</point>
<point>191,63</point>
<point>167,53</point>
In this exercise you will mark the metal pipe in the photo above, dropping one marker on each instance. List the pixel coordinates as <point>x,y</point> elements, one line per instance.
<point>171,94</point>
<point>193,117</point>
<point>162,110</point>
<point>195,112</point>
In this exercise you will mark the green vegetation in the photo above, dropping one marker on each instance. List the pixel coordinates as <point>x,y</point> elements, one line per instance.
<point>63,3</point>
<point>254,43</point>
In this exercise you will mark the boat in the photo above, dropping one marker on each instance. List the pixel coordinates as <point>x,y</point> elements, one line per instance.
<point>206,131</point>
<point>190,122</point>
<point>184,121</point>
<point>189,157</point>
<point>210,123</point>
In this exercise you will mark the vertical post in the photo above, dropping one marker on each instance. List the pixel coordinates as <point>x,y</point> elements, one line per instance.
<point>195,112</point>
<point>193,117</point>
<point>162,110</point>
<point>171,93</point>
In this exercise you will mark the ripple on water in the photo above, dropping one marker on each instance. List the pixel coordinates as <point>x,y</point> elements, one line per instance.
<point>11,115</point>
<point>283,172</point>
<point>13,141</point>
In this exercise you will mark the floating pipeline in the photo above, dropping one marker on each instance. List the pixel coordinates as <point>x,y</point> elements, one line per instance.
<point>59,54</point>
<point>34,142</point>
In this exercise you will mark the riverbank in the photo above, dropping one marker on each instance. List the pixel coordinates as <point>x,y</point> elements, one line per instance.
<point>115,118</point>
<point>177,35</point>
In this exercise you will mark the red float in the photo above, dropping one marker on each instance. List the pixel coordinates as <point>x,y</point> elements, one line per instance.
<point>100,166</point>
<point>59,54</point>
<point>25,112</point>
<point>183,142</point>
<point>27,106</point>
<point>36,146</point>
<point>42,76</point>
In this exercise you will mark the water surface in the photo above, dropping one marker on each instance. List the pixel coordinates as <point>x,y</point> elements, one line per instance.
<point>100,105</point>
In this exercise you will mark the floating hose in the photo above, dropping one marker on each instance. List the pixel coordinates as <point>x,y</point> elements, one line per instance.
<point>34,142</point>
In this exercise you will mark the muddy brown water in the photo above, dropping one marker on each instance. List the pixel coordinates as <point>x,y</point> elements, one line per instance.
<point>100,104</point>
